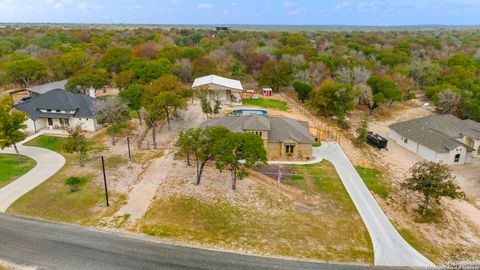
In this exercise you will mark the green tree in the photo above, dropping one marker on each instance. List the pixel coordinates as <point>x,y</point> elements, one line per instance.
<point>75,182</point>
<point>434,181</point>
<point>203,145</point>
<point>238,151</point>
<point>84,81</point>
<point>77,142</point>
<point>114,58</point>
<point>74,61</point>
<point>123,79</point>
<point>383,91</point>
<point>149,70</point>
<point>133,96</point>
<point>303,90</point>
<point>168,102</point>
<point>362,132</point>
<point>112,112</point>
<point>11,125</point>
<point>24,71</point>
<point>275,74</point>
<point>332,99</point>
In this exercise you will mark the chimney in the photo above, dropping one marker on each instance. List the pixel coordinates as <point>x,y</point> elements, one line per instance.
<point>91,92</point>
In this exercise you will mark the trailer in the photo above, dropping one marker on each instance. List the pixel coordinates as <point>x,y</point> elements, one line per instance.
<point>377,140</point>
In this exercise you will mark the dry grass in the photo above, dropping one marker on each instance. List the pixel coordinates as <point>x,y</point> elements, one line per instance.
<point>326,227</point>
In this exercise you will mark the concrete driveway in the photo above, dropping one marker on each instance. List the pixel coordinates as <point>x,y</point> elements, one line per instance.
<point>390,249</point>
<point>48,163</point>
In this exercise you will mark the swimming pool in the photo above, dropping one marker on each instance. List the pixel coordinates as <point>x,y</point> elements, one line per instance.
<point>249,112</point>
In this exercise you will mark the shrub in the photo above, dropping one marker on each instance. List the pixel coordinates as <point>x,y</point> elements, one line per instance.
<point>75,182</point>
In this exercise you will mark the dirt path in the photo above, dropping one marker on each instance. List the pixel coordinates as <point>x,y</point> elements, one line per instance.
<point>142,193</point>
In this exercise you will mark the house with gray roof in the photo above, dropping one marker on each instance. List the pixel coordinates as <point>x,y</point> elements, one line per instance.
<point>45,88</point>
<point>284,138</point>
<point>57,109</point>
<point>440,138</point>
<point>227,91</point>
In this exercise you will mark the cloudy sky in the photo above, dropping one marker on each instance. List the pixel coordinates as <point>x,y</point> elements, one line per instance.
<point>321,12</point>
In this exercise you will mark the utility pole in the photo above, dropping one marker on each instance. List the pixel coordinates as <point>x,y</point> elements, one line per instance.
<point>105,181</point>
<point>129,154</point>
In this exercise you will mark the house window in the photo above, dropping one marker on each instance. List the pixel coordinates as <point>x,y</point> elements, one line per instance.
<point>405,140</point>
<point>259,133</point>
<point>289,149</point>
<point>457,158</point>
<point>50,122</point>
<point>64,121</point>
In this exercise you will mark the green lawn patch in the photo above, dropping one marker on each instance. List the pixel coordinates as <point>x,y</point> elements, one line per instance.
<point>374,181</point>
<point>267,103</point>
<point>11,168</point>
<point>53,143</point>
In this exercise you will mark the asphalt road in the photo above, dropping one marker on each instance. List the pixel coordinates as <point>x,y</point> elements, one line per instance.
<point>47,245</point>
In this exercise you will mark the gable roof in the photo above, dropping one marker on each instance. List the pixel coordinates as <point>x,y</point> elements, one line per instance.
<point>279,128</point>
<point>218,80</point>
<point>438,132</point>
<point>44,88</point>
<point>59,99</point>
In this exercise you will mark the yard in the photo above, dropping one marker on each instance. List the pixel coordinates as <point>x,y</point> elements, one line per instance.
<point>258,219</point>
<point>53,200</point>
<point>11,168</point>
<point>267,103</point>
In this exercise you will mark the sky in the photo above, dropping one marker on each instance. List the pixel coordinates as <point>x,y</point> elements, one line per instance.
<point>284,12</point>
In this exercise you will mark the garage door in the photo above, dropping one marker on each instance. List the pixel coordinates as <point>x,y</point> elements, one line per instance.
<point>426,153</point>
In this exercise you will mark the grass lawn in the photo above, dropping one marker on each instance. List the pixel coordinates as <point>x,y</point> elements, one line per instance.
<point>374,181</point>
<point>11,169</point>
<point>268,103</point>
<point>328,231</point>
<point>50,142</point>
<point>53,200</point>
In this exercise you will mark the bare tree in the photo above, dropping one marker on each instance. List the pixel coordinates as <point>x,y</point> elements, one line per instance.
<point>360,75</point>
<point>449,101</point>
<point>112,112</point>
<point>318,72</point>
<point>344,75</point>
<point>186,72</point>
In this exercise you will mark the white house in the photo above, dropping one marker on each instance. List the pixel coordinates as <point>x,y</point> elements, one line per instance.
<point>57,109</point>
<point>226,90</point>
<point>440,138</point>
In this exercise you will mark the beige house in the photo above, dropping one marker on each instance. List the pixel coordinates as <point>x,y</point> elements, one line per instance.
<point>226,90</point>
<point>440,138</point>
<point>284,138</point>
<point>57,109</point>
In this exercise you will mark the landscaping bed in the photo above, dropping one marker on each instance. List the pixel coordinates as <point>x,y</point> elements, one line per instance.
<point>268,103</point>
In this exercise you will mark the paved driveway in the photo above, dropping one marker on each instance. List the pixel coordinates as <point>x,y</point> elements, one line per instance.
<point>48,163</point>
<point>389,247</point>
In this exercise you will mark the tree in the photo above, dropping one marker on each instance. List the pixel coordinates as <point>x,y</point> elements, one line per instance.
<point>275,74</point>
<point>133,96</point>
<point>332,99</point>
<point>24,71</point>
<point>114,58</point>
<point>11,125</point>
<point>74,61</point>
<point>434,181</point>
<point>167,102</point>
<point>123,79</point>
<point>74,182</point>
<point>113,112</point>
<point>362,132</point>
<point>449,102</point>
<point>149,70</point>
<point>84,81</point>
<point>303,90</point>
<point>237,151</point>
<point>383,91</point>
<point>203,145</point>
<point>77,142</point>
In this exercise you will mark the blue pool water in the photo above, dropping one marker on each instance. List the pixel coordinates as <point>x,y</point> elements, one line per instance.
<point>249,112</point>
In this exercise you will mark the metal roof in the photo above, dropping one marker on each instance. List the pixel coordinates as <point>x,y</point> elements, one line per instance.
<point>44,88</point>
<point>218,80</point>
